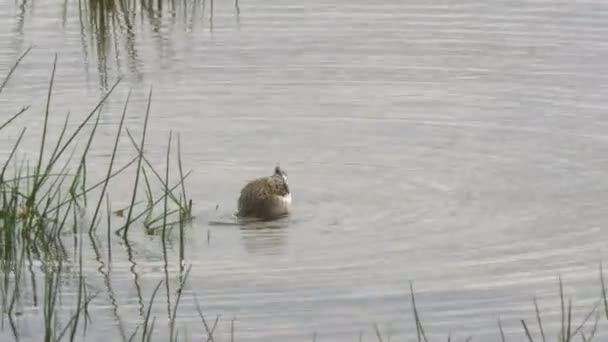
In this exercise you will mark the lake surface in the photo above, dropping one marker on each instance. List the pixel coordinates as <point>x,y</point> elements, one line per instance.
<point>462,146</point>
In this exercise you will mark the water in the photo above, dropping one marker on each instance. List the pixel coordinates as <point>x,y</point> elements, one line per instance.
<point>461,146</point>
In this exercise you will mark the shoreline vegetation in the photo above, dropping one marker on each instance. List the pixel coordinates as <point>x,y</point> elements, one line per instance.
<point>53,200</point>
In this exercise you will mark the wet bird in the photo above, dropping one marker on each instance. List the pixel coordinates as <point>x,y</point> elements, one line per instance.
<point>266,198</point>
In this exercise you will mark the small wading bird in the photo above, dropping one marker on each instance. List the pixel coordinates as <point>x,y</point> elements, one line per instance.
<point>265,198</point>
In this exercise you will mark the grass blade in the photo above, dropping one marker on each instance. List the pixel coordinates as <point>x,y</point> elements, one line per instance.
<point>149,310</point>
<point>200,314</point>
<point>527,331</point>
<point>419,329</point>
<point>94,186</point>
<point>579,328</point>
<point>604,297</point>
<point>46,119</point>
<point>502,333</point>
<point>107,179</point>
<point>563,310</point>
<point>181,174</point>
<point>159,177</point>
<point>141,155</point>
<point>61,135</point>
<point>378,334</point>
<point>81,126</point>
<point>180,289</point>
<point>10,156</point>
<point>568,336</point>
<point>13,68</point>
<point>538,319</point>
<point>15,116</point>
<point>144,212</point>
<point>164,232</point>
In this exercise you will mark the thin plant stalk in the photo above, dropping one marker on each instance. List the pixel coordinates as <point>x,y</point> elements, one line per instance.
<point>530,339</point>
<point>159,177</point>
<point>109,229</point>
<point>138,170</point>
<point>180,290</point>
<point>502,333</point>
<point>187,203</point>
<point>15,116</point>
<point>144,212</point>
<point>46,119</point>
<point>79,128</point>
<point>419,329</point>
<point>604,297</point>
<point>12,70</point>
<point>107,179</point>
<point>13,150</point>
<point>164,232</point>
<point>563,310</point>
<point>568,335</point>
<point>378,334</point>
<point>147,318</point>
<point>202,316</point>
<point>539,320</point>
<point>580,327</point>
<point>61,135</point>
<point>94,186</point>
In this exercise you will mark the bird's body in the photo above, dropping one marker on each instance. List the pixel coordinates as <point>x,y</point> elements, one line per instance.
<point>266,198</point>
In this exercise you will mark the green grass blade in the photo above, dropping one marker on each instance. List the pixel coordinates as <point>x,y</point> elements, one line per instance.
<point>180,289</point>
<point>61,135</point>
<point>15,116</point>
<point>81,126</point>
<point>13,68</point>
<point>144,212</point>
<point>46,120</point>
<point>539,320</point>
<point>419,329</point>
<point>604,297</point>
<point>181,174</point>
<point>144,333</point>
<point>10,156</point>
<point>527,331</point>
<point>378,334</point>
<point>563,310</point>
<point>114,149</point>
<point>579,328</point>
<point>134,334</point>
<point>158,176</point>
<point>210,331</point>
<point>96,185</point>
<point>502,333</point>
<point>81,171</point>
<point>141,154</point>
<point>164,232</point>
<point>109,229</point>
<point>568,335</point>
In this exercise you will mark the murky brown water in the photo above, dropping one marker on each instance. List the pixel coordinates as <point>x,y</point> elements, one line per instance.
<point>458,145</point>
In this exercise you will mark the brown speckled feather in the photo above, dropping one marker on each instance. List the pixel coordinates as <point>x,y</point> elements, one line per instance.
<point>259,197</point>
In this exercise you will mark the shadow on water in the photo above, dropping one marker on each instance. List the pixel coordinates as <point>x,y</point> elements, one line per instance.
<point>136,276</point>
<point>105,271</point>
<point>258,236</point>
<point>265,237</point>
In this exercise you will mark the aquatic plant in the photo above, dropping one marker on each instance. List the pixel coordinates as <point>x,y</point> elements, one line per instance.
<point>40,204</point>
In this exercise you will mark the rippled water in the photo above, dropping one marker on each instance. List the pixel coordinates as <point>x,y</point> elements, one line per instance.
<point>459,145</point>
